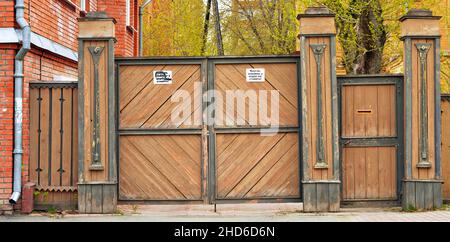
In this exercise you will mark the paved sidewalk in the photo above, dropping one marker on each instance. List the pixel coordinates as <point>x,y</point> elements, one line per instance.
<point>237,213</point>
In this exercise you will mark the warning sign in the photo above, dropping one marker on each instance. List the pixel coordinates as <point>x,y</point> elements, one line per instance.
<point>162,77</point>
<point>256,75</point>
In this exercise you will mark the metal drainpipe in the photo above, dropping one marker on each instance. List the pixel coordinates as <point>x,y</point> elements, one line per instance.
<point>18,94</point>
<point>141,41</point>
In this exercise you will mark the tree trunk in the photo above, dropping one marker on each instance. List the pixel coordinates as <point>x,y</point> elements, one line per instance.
<point>372,36</point>
<point>206,26</point>
<point>218,28</point>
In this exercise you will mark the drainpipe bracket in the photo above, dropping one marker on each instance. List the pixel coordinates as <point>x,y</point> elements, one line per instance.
<point>18,151</point>
<point>19,75</point>
<point>19,6</point>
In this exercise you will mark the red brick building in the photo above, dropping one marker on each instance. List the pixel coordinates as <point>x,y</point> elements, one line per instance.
<point>53,57</point>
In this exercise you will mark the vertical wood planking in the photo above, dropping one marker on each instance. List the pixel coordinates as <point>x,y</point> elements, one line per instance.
<point>87,95</point>
<point>446,147</point>
<point>74,132</point>
<point>89,101</point>
<point>67,136</point>
<point>373,172</point>
<point>420,173</point>
<point>328,107</point>
<point>44,141</point>
<point>415,111</point>
<point>34,134</point>
<point>54,137</point>
<point>369,111</point>
<point>360,163</point>
<point>431,90</point>
<point>370,173</point>
<point>55,144</point>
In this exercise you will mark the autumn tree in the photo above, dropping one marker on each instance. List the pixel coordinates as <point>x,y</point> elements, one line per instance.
<point>363,32</point>
<point>368,31</point>
<point>174,28</point>
<point>258,27</point>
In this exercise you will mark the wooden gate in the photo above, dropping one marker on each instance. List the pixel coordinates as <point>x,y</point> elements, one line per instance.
<point>246,165</point>
<point>203,160</point>
<point>371,143</point>
<point>159,160</point>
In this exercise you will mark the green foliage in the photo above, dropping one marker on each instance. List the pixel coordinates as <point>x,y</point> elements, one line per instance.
<point>174,28</point>
<point>260,27</point>
<point>52,210</point>
<point>269,27</point>
<point>410,209</point>
<point>383,29</point>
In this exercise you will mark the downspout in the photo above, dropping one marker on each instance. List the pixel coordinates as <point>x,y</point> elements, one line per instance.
<point>141,35</point>
<point>18,95</point>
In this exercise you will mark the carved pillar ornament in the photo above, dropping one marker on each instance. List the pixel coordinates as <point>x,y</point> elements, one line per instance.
<point>423,56</point>
<point>318,50</point>
<point>96,53</point>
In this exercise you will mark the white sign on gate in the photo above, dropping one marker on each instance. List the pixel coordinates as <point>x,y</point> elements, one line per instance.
<point>162,77</point>
<point>256,75</point>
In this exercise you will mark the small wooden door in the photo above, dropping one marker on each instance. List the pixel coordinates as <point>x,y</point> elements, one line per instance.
<point>371,131</point>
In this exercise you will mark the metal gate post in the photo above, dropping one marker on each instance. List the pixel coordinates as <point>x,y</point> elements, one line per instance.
<point>422,187</point>
<point>321,182</point>
<point>97,187</point>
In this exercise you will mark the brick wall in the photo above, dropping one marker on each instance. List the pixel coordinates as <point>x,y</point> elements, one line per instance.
<point>55,20</point>
<point>39,65</point>
<point>7,16</point>
<point>126,36</point>
<point>7,53</point>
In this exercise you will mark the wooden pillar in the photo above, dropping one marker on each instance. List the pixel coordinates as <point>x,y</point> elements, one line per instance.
<point>97,187</point>
<point>422,186</point>
<point>321,182</point>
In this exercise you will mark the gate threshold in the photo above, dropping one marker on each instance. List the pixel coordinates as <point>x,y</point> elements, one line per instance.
<point>203,210</point>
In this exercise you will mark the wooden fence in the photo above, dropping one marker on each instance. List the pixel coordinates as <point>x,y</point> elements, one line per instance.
<point>446,145</point>
<point>54,144</point>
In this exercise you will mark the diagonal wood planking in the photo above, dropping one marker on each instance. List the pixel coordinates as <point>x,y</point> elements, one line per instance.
<point>145,105</point>
<point>251,166</point>
<point>281,77</point>
<point>160,167</point>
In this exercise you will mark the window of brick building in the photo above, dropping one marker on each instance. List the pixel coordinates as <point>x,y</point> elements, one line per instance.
<point>128,16</point>
<point>84,5</point>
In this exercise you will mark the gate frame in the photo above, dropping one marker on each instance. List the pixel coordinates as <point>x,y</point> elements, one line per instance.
<point>200,61</point>
<point>209,178</point>
<point>213,131</point>
<point>370,80</point>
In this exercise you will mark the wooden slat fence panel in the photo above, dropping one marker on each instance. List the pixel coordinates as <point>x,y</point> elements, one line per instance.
<point>446,146</point>
<point>54,141</point>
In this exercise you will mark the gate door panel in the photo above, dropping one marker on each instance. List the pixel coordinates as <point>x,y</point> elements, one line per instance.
<point>247,164</point>
<point>160,158</point>
<point>371,131</point>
